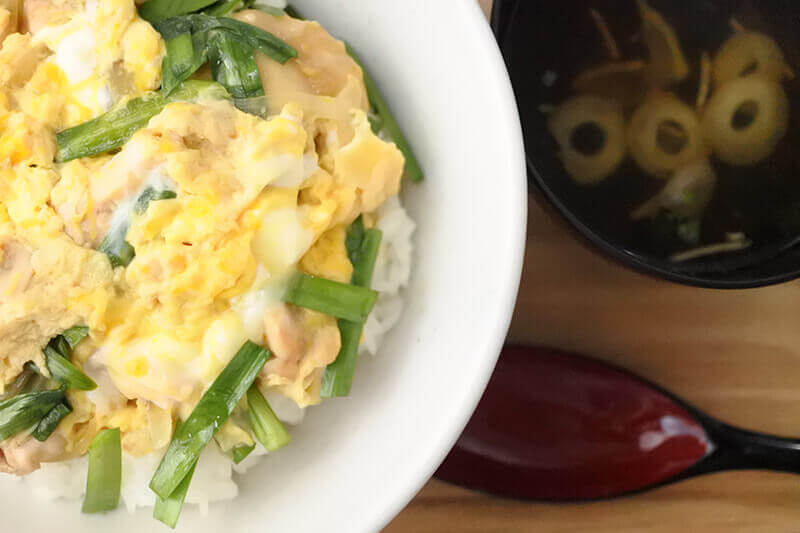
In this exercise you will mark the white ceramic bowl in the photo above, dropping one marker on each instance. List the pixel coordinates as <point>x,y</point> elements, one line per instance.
<point>354,463</point>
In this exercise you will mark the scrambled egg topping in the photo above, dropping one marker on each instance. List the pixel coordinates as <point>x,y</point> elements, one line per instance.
<point>256,200</point>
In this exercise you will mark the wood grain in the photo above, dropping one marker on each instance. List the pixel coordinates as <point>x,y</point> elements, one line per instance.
<point>734,354</point>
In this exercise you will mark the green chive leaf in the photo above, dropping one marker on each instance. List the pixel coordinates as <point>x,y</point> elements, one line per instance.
<point>240,453</point>
<point>225,7</point>
<point>63,371</point>
<point>155,11</point>
<point>266,8</point>
<point>75,335</point>
<point>362,248</point>
<point>354,239</point>
<point>294,13</point>
<point>50,422</point>
<point>364,264</point>
<point>118,250</point>
<point>339,300</point>
<point>267,428</point>
<point>234,66</point>
<point>113,129</point>
<point>108,131</point>
<point>338,377</point>
<point>168,510</point>
<point>184,56</point>
<point>246,34</point>
<point>21,383</point>
<point>211,412</point>
<point>104,482</point>
<point>151,195</point>
<point>25,410</point>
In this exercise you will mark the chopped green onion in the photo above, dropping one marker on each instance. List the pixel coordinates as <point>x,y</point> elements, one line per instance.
<point>375,122</point>
<point>75,335</point>
<point>113,129</point>
<point>185,54</point>
<point>234,66</point>
<point>63,371</point>
<point>389,123</point>
<point>364,260</point>
<point>362,248</point>
<point>293,12</point>
<point>104,482</point>
<point>211,412</point>
<point>258,106</point>
<point>25,410</point>
<point>355,238</point>
<point>198,91</point>
<point>224,7</point>
<point>155,11</point>
<point>108,131</point>
<point>240,453</point>
<point>60,344</point>
<point>267,428</point>
<point>21,383</point>
<point>177,61</point>
<point>272,10</point>
<point>118,250</point>
<point>151,195</point>
<point>246,34</point>
<point>168,510</point>
<point>49,423</point>
<point>339,300</point>
<point>338,377</point>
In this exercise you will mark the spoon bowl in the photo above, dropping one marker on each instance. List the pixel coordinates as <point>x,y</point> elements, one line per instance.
<point>555,426</point>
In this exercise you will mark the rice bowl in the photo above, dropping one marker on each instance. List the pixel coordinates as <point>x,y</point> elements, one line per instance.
<point>386,430</point>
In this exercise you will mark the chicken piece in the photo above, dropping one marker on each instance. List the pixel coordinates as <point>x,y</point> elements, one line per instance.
<point>324,80</point>
<point>296,336</point>
<point>9,17</point>
<point>19,58</point>
<point>16,271</point>
<point>22,455</point>
<point>36,14</point>
<point>322,66</point>
<point>49,288</point>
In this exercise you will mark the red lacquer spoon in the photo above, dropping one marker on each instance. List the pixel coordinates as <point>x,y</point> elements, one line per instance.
<point>557,426</point>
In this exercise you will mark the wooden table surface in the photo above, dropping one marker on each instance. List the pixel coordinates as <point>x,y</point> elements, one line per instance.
<point>735,355</point>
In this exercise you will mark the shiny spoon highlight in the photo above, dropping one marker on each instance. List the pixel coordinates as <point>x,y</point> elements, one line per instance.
<point>561,427</point>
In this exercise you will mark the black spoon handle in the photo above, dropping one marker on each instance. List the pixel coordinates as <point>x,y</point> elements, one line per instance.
<point>739,449</point>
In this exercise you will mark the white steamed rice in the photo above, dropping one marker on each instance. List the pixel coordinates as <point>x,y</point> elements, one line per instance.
<point>214,478</point>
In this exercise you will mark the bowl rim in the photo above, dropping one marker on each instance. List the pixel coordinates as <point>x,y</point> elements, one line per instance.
<point>480,29</point>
